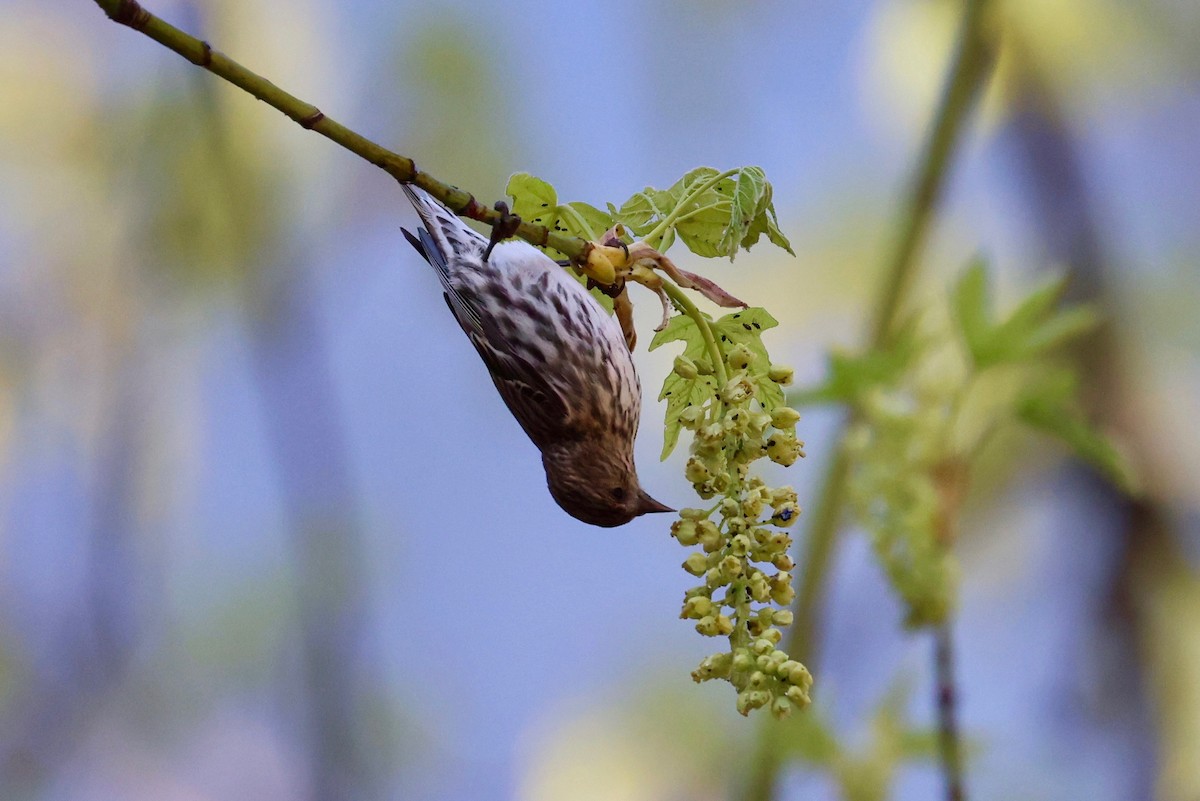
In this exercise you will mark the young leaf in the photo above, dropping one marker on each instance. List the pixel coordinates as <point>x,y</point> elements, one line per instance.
<point>712,213</point>
<point>745,327</point>
<point>536,201</point>
<point>851,375</point>
<point>972,309</point>
<point>1051,406</point>
<point>680,392</point>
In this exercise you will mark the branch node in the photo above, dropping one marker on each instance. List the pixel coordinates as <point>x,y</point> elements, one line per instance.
<point>206,52</point>
<point>132,14</point>
<point>309,121</point>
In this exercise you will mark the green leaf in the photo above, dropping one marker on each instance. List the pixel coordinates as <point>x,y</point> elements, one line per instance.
<point>1051,406</point>
<point>746,327</point>
<point>679,392</point>
<point>851,375</point>
<point>972,309</point>
<point>536,201</point>
<point>711,213</point>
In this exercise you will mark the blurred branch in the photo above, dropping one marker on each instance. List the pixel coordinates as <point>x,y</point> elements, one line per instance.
<point>289,367</point>
<point>1051,163</point>
<point>966,76</point>
<point>949,740</point>
<point>403,169</point>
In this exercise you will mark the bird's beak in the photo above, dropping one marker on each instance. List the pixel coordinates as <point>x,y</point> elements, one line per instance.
<point>646,505</point>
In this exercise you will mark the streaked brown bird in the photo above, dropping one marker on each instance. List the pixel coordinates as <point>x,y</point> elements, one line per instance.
<point>559,361</point>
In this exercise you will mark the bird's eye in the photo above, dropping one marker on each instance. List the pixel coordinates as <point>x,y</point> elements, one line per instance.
<point>618,493</point>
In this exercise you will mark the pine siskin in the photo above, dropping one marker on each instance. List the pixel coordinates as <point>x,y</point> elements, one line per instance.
<point>559,361</point>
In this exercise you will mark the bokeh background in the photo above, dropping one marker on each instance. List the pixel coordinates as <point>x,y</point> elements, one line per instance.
<point>267,532</point>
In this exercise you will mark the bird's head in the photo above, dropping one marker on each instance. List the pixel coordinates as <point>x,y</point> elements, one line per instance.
<point>597,485</point>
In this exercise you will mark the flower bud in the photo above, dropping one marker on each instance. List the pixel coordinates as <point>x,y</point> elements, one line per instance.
<point>693,514</point>
<point>731,566</point>
<point>685,367</point>
<point>783,617</point>
<point>736,390</point>
<point>740,357</point>
<point>695,471</point>
<point>784,417</point>
<point>762,646</point>
<point>742,661</point>
<point>707,626</point>
<point>739,545</point>
<point>691,417</point>
<point>772,636</point>
<point>684,531</point>
<point>797,695</point>
<point>783,561</point>
<point>785,514</point>
<point>781,374</point>
<point>696,608</point>
<point>783,449</point>
<point>724,625</point>
<point>703,366</point>
<point>781,708</point>
<point>696,564</point>
<point>714,578</point>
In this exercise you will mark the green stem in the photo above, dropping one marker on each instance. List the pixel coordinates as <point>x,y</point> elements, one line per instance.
<point>966,76</point>
<point>654,238</point>
<point>402,168</point>
<point>685,305</point>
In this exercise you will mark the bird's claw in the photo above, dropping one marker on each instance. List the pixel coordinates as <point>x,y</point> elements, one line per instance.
<point>505,226</point>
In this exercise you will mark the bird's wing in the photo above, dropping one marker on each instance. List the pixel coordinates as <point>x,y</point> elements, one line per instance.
<point>541,409</point>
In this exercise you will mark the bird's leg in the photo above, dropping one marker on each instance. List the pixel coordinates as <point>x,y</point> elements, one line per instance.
<point>505,226</point>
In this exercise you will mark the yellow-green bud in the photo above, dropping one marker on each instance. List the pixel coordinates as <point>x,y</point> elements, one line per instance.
<point>742,661</point>
<point>781,589</point>
<point>696,564</point>
<point>685,367</point>
<point>784,417</point>
<point>784,449</point>
<point>731,566</point>
<point>798,675</point>
<point>707,626</point>
<point>762,646</point>
<point>797,695</point>
<point>739,545</point>
<point>783,561</point>
<point>785,514</point>
<point>724,625</point>
<point>703,366</point>
<point>780,374</point>
<point>695,471</point>
<point>684,531</point>
<point>714,578</point>
<point>691,417</point>
<point>696,608</point>
<point>781,708</point>
<point>736,390</point>
<point>740,357</point>
<point>783,617</point>
<point>693,514</point>
<point>772,636</point>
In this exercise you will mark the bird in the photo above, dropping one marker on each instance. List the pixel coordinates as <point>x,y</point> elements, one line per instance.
<point>558,359</point>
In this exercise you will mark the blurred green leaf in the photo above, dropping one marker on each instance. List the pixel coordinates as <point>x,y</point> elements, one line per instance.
<point>851,375</point>
<point>1034,328</point>
<point>971,306</point>
<point>1051,405</point>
